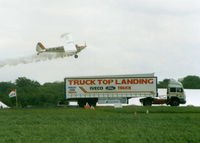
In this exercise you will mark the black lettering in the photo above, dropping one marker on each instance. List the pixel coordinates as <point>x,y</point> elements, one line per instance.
<point>96,88</point>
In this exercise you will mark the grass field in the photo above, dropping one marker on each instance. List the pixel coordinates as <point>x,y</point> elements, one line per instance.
<point>103,125</point>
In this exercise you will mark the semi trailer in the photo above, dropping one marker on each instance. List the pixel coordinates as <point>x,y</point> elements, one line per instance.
<point>93,89</point>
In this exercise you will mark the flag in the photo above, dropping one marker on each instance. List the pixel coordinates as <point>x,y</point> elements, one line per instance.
<point>13,93</point>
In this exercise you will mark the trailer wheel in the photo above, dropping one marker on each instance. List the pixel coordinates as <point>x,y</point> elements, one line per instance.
<point>147,102</point>
<point>174,102</point>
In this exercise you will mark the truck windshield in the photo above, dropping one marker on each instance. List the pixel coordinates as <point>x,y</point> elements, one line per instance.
<point>176,89</point>
<point>172,89</point>
<point>179,89</point>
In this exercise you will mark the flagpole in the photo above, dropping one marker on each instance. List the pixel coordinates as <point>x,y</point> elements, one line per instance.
<point>13,93</point>
<point>16,99</point>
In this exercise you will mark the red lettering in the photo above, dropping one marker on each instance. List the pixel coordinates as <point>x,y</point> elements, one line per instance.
<point>82,82</point>
<point>93,82</point>
<point>76,82</point>
<point>70,82</point>
<point>105,81</point>
<point>150,81</point>
<point>116,82</point>
<point>123,81</point>
<point>135,81</point>
<point>99,81</point>
<point>124,87</point>
<point>129,81</point>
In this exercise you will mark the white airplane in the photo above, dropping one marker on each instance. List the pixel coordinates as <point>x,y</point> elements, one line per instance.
<point>59,50</point>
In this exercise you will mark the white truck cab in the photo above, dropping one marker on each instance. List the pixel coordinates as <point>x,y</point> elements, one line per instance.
<point>175,93</point>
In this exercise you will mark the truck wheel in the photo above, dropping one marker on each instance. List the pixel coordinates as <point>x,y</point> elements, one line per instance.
<point>174,102</point>
<point>147,102</point>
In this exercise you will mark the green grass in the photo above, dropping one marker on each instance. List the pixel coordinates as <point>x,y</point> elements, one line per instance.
<point>103,125</point>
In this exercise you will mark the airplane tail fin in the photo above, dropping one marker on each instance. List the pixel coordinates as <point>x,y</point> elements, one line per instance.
<point>40,47</point>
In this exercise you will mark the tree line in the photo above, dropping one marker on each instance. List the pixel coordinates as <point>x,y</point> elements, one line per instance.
<point>31,93</point>
<point>189,82</point>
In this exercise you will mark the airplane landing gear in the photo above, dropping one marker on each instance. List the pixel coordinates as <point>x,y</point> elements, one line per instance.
<point>76,56</point>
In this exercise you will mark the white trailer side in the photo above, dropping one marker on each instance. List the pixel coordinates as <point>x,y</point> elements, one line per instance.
<point>117,86</point>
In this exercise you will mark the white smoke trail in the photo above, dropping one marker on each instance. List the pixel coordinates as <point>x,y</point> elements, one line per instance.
<point>66,37</point>
<point>32,59</point>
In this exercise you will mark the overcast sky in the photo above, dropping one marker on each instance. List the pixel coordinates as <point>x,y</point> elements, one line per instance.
<point>123,37</point>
